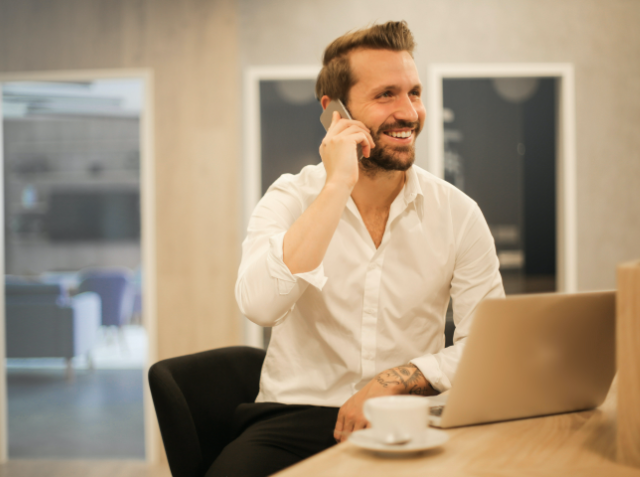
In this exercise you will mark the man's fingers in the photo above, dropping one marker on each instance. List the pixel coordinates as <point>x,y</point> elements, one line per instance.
<point>335,117</point>
<point>345,126</point>
<point>366,129</point>
<point>352,133</point>
<point>339,125</point>
<point>361,139</point>
<point>337,433</point>
<point>367,141</point>
<point>347,428</point>
<point>360,424</point>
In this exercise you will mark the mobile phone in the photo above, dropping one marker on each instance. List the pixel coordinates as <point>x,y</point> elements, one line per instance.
<point>327,115</point>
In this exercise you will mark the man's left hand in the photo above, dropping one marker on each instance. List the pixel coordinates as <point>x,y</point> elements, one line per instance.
<point>405,379</point>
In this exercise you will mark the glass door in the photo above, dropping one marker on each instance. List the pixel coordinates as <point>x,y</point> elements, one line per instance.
<point>76,342</point>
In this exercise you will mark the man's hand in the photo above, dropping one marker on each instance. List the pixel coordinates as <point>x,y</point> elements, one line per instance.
<point>405,379</point>
<point>339,149</point>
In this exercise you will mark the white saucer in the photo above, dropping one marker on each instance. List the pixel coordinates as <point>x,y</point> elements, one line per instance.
<point>430,438</point>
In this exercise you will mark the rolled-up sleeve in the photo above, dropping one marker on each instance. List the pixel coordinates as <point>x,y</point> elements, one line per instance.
<point>266,290</point>
<point>476,276</point>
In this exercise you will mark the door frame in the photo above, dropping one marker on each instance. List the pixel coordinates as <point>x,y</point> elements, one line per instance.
<point>566,210</point>
<point>147,237</point>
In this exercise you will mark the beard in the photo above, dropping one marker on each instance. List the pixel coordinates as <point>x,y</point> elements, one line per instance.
<point>390,158</point>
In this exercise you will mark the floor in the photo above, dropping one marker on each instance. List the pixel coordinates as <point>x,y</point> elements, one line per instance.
<point>98,415</point>
<point>48,468</point>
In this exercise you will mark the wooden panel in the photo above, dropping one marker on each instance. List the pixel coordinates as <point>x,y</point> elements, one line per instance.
<point>191,47</point>
<point>628,359</point>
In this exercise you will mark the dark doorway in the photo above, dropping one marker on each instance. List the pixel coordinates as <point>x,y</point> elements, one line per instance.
<point>290,128</point>
<point>500,149</point>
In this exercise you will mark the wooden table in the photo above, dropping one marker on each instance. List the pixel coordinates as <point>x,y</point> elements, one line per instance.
<point>575,444</point>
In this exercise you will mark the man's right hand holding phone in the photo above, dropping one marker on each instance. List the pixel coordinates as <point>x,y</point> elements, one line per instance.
<point>306,241</point>
<point>339,150</point>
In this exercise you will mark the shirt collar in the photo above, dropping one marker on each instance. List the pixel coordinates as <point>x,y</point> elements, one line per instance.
<point>413,192</point>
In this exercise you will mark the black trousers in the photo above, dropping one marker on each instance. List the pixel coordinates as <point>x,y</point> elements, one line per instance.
<point>272,437</point>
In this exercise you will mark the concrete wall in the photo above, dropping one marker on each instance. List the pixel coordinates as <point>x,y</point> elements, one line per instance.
<point>601,39</point>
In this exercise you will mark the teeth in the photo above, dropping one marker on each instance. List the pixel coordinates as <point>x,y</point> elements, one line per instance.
<point>403,134</point>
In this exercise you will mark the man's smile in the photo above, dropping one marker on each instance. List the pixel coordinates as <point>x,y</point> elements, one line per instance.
<point>404,135</point>
<point>398,133</point>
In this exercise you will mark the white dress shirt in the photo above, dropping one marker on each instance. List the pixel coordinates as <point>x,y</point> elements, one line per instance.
<point>365,310</point>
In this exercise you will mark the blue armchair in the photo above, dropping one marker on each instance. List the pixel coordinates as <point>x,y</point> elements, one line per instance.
<point>42,322</point>
<point>114,287</point>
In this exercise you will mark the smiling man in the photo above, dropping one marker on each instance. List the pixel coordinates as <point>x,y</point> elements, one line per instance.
<point>353,262</point>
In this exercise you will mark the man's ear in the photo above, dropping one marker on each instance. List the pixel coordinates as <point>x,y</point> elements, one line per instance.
<point>324,101</point>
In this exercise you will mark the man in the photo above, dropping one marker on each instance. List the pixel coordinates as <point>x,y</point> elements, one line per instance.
<point>352,262</point>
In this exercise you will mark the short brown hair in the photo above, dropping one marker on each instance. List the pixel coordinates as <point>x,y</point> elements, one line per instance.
<point>335,78</point>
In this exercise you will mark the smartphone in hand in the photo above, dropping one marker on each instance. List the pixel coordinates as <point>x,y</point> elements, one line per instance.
<point>327,115</point>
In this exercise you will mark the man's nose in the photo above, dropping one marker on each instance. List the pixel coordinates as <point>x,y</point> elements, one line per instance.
<point>406,109</point>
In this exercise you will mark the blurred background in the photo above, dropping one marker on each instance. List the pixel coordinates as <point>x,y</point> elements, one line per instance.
<point>76,346</point>
<point>131,191</point>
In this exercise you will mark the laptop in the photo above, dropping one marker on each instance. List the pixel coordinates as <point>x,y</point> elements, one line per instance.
<point>532,355</point>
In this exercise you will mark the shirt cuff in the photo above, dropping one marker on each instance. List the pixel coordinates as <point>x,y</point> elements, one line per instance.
<point>430,368</point>
<point>279,270</point>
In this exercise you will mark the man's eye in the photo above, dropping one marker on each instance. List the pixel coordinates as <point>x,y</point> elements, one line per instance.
<point>415,93</point>
<point>386,94</point>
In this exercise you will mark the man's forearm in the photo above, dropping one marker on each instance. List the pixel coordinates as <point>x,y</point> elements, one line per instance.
<point>306,242</point>
<point>406,379</point>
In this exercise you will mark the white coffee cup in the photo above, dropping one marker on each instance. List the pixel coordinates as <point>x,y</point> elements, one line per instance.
<point>397,418</point>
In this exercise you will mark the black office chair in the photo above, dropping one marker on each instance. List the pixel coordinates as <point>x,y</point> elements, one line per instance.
<point>195,397</point>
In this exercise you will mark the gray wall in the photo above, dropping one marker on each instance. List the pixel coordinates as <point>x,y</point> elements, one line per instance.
<point>601,39</point>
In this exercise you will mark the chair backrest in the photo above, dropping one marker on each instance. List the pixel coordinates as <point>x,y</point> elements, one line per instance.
<point>34,293</point>
<point>113,287</point>
<point>195,397</point>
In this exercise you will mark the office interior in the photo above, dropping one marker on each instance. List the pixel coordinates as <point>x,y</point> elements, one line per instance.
<point>195,56</point>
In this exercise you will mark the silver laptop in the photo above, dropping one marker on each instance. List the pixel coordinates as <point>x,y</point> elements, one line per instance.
<point>532,355</point>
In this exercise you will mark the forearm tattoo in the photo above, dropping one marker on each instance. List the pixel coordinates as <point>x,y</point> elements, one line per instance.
<point>409,377</point>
